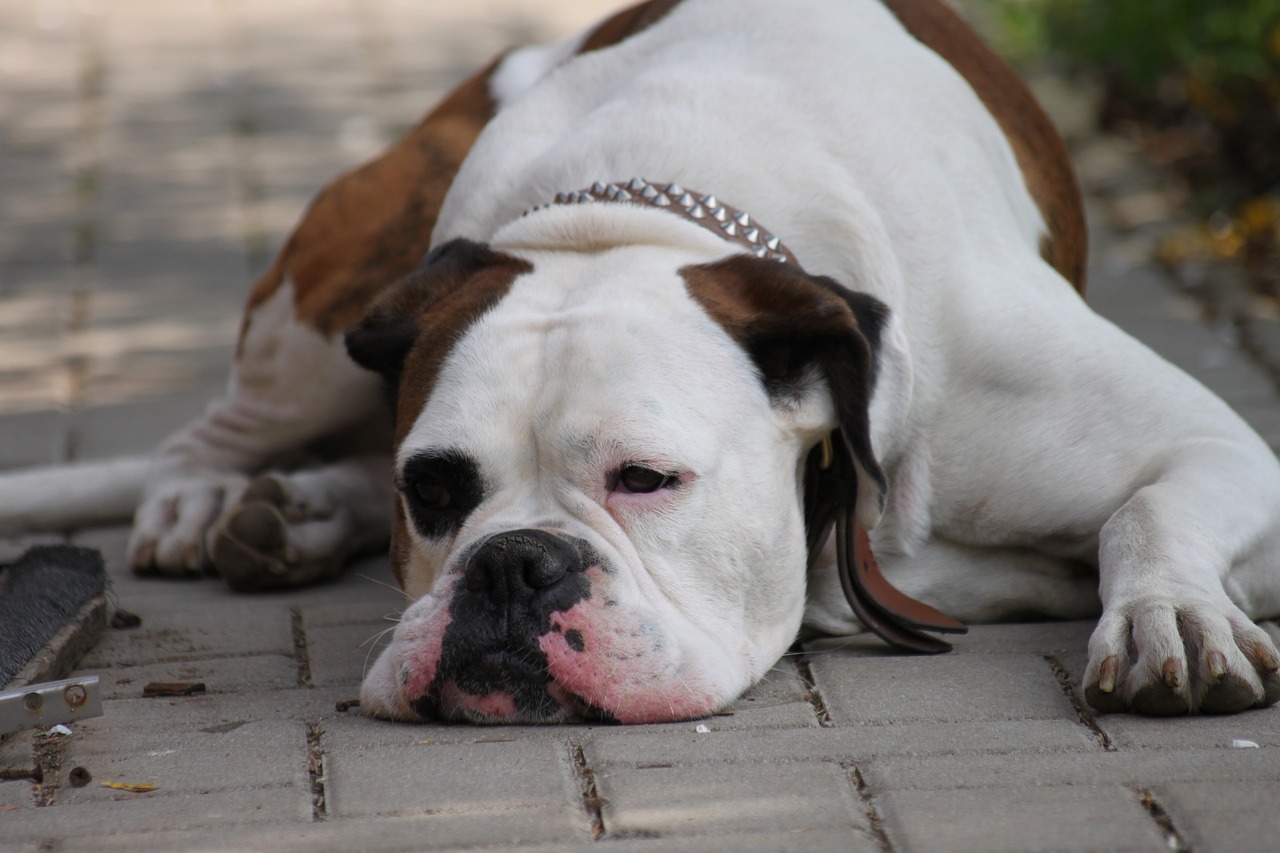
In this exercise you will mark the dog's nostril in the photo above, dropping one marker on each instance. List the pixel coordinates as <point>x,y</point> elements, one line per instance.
<point>541,572</point>
<point>521,560</point>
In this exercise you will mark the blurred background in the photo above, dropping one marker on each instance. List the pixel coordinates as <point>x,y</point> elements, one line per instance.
<point>1192,88</point>
<point>155,153</point>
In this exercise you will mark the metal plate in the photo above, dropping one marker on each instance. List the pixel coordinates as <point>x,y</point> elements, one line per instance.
<point>52,702</point>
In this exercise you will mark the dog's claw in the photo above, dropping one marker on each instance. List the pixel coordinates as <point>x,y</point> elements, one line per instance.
<point>1171,673</point>
<point>1107,679</point>
<point>1217,664</point>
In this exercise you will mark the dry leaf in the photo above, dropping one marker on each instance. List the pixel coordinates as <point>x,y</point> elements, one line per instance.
<point>132,787</point>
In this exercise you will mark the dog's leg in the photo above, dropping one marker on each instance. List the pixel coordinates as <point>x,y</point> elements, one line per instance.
<point>1176,635</point>
<point>290,385</point>
<point>292,529</point>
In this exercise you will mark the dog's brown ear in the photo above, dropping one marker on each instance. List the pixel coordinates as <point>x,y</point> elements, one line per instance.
<point>797,327</point>
<point>456,283</point>
<point>417,320</point>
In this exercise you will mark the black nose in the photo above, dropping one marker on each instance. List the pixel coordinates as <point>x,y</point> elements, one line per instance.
<point>513,564</point>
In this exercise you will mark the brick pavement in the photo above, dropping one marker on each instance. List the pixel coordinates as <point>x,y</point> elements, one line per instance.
<point>152,156</point>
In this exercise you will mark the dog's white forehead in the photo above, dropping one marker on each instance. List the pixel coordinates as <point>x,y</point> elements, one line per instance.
<point>587,350</point>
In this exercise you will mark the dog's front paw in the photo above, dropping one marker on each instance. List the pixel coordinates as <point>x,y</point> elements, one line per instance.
<point>170,525</point>
<point>279,536</point>
<point>1166,656</point>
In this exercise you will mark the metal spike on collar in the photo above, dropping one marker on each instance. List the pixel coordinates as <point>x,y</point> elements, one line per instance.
<point>734,225</point>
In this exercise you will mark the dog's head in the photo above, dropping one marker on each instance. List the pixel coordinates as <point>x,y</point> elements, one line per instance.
<point>598,461</point>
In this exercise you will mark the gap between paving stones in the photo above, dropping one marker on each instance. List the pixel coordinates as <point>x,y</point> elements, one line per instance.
<point>1172,837</point>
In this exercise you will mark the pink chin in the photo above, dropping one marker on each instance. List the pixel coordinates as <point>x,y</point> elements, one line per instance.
<point>619,670</point>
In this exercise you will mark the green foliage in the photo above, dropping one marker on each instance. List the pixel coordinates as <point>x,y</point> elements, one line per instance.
<point>1142,41</point>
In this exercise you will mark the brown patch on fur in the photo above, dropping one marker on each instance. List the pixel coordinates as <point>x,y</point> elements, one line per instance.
<point>627,23</point>
<point>369,227</point>
<point>408,333</point>
<point>1040,152</point>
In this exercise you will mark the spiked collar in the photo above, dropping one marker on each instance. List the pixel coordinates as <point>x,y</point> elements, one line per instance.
<point>723,220</point>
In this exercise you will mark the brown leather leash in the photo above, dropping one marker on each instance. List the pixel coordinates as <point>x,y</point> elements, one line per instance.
<point>831,490</point>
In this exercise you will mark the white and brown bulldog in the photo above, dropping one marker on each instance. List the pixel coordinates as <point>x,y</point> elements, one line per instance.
<point>628,413</point>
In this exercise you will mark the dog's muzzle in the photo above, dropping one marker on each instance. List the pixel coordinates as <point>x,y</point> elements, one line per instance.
<point>491,664</point>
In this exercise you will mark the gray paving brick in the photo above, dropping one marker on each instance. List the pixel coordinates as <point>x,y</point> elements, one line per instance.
<point>682,801</point>
<point>1231,817</point>
<point>220,675</point>
<point>506,829</point>
<point>429,777</point>
<point>605,747</point>
<point>1142,768</point>
<point>157,811</point>
<point>192,633</point>
<point>186,758</point>
<point>354,613</point>
<point>1130,731</point>
<point>860,688</point>
<point>139,426</point>
<point>33,438</point>
<point>994,820</point>
<point>340,654</point>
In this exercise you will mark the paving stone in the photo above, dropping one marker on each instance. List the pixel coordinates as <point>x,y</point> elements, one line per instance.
<point>1130,767</point>
<point>140,426</point>
<point>220,675</point>
<point>603,747</point>
<point>683,801</point>
<point>1231,817</point>
<point>1131,731</point>
<point>859,688</point>
<point>133,813</point>
<point>507,829</point>
<point>341,654</point>
<point>33,438</point>
<point>354,613</point>
<point>194,633</point>
<point>364,782</point>
<point>993,820</point>
<point>178,756</point>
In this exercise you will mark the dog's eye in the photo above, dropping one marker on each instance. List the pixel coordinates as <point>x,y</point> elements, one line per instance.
<point>431,495</point>
<point>641,481</point>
